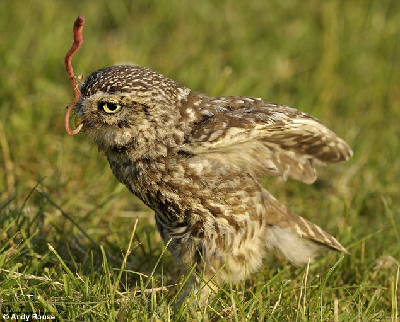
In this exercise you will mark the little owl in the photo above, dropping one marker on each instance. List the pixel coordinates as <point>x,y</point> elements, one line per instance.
<point>197,161</point>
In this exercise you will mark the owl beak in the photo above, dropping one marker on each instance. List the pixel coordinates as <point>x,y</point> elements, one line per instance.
<point>78,120</point>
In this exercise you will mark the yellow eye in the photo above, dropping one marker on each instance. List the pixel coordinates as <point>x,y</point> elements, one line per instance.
<point>110,108</point>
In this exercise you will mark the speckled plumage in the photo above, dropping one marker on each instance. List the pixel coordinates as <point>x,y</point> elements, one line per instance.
<point>197,161</point>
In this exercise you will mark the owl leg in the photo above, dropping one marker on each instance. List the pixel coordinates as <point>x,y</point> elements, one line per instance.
<point>198,287</point>
<point>187,291</point>
<point>191,255</point>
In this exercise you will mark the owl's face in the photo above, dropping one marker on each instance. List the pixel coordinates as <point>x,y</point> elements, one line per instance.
<point>113,120</point>
<point>122,106</point>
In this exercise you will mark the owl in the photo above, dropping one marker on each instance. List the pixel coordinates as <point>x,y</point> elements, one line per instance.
<point>197,161</point>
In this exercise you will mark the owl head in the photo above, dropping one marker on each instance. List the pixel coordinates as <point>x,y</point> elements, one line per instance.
<point>125,106</point>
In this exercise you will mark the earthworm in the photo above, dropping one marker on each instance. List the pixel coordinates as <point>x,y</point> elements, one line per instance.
<point>78,39</point>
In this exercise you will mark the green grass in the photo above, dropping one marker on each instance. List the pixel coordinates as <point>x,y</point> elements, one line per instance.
<point>66,223</point>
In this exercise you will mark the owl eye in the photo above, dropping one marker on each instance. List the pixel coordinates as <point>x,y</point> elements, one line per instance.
<point>110,108</point>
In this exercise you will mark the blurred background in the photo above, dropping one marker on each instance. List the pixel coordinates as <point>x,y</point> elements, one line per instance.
<point>336,60</point>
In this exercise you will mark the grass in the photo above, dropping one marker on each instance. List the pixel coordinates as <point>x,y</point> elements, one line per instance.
<point>65,222</point>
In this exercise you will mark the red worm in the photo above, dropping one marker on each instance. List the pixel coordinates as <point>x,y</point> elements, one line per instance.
<point>78,39</point>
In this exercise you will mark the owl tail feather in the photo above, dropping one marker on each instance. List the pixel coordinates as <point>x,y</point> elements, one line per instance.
<point>296,238</point>
<point>297,249</point>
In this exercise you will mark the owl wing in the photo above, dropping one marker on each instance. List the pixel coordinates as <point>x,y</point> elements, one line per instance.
<point>264,138</point>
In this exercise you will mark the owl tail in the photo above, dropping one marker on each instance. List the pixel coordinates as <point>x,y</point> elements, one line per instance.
<point>296,238</point>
